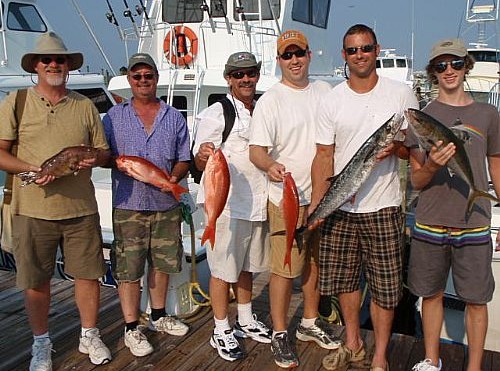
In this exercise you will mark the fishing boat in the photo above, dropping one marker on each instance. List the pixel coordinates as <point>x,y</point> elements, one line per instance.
<point>394,66</point>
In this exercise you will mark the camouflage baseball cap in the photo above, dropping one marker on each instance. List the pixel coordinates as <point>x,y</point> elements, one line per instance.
<point>237,61</point>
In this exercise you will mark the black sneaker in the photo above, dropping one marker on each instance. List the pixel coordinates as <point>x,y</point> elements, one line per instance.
<point>318,333</point>
<point>227,346</point>
<point>255,330</point>
<point>284,356</point>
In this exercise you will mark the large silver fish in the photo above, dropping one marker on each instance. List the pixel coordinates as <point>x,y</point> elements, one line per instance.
<point>347,183</point>
<point>429,131</point>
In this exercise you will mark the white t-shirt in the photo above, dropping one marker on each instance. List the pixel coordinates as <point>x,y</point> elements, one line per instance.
<point>347,119</point>
<point>284,121</point>
<point>247,197</point>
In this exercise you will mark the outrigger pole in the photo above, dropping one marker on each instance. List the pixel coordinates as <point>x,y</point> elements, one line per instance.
<point>128,14</point>
<point>142,9</point>
<point>112,19</point>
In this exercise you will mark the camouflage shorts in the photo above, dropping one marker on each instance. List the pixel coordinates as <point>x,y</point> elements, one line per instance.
<point>140,235</point>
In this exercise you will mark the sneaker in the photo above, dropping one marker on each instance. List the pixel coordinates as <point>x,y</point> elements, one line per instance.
<point>255,330</point>
<point>170,325</point>
<point>282,351</point>
<point>41,359</point>
<point>227,346</point>
<point>137,342</point>
<point>426,365</point>
<point>92,345</point>
<point>319,334</point>
<point>341,358</point>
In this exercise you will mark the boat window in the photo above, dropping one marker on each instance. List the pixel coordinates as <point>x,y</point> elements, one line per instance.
<point>179,102</point>
<point>98,97</point>
<point>182,11</point>
<point>250,8</point>
<point>313,12</point>
<point>388,63</point>
<point>485,55</point>
<point>218,8</point>
<point>377,63</point>
<point>25,17</point>
<point>400,62</point>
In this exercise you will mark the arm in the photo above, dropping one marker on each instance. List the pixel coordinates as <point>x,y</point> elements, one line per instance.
<point>201,157</point>
<point>12,164</point>
<point>423,169</point>
<point>321,171</point>
<point>261,159</point>
<point>179,171</point>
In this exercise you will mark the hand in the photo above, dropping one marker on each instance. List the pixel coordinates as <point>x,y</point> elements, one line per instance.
<point>205,150</point>
<point>439,155</point>
<point>385,152</point>
<point>87,163</point>
<point>276,172</point>
<point>44,180</point>
<point>310,209</point>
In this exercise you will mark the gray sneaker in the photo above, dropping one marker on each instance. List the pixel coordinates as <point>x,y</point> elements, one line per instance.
<point>41,359</point>
<point>284,355</point>
<point>320,334</point>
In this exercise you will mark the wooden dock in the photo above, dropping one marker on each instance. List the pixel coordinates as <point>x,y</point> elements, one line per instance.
<point>191,352</point>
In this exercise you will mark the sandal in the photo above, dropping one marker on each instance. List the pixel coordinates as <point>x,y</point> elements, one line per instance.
<point>340,359</point>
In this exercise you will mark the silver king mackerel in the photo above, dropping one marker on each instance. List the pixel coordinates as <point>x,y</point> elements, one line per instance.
<point>346,184</point>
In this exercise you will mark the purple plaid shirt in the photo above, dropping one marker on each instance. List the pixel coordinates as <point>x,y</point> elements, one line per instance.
<point>167,144</point>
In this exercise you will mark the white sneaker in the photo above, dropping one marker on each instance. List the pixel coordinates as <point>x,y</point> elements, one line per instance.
<point>227,346</point>
<point>255,330</point>
<point>426,365</point>
<point>41,359</point>
<point>137,342</point>
<point>170,325</point>
<point>91,344</point>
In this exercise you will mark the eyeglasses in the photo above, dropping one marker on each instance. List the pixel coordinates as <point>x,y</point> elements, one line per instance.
<point>147,76</point>
<point>49,60</point>
<point>299,53</point>
<point>456,64</point>
<point>238,75</point>
<point>365,49</point>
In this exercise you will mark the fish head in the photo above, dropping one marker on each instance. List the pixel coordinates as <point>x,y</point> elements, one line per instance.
<point>390,129</point>
<point>425,127</point>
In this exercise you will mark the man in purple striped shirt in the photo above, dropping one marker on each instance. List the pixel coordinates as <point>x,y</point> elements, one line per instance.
<point>146,220</point>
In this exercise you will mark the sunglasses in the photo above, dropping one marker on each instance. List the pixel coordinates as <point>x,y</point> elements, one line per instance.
<point>147,76</point>
<point>49,60</point>
<point>238,75</point>
<point>456,64</point>
<point>289,55</point>
<point>365,49</point>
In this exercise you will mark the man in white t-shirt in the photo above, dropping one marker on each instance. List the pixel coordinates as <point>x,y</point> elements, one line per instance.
<point>282,138</point>
<point>367,230</point>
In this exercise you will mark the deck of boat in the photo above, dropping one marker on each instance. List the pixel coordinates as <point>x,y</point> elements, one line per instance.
<point>191,352</point>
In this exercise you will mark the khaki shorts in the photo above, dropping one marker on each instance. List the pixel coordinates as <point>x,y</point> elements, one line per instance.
<point>36,242</point>
<point>308,254</point>
<point>240,245</point>
<point>140,235</point>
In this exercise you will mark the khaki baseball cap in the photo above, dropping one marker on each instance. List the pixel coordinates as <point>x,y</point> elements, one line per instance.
<point>449,46</point>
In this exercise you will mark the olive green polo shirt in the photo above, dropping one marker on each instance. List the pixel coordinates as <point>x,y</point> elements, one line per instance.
<point>45,130</point>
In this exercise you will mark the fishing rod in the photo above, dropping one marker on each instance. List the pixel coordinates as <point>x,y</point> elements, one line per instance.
<point>112,19</point>
<point>84,20</point>
<point>204,7</point>
<point>128,14</point>
<point>142,9</point>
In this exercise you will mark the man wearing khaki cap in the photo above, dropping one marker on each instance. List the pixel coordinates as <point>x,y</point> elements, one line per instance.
<point>55,212</point>
<point>445,237</point>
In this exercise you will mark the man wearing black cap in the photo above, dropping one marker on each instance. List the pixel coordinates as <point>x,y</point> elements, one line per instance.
<point>52,211</point>
<point>146,220</point>
<point>444,237</point>
<point>241,233</point>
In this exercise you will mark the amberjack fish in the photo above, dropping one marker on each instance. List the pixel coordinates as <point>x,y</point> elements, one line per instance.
<point>290,210</point>
<point>216,187</point>
<point>144,171</point>
<point>345,185</point>
<point>63,163</point>
<point>429,131</point>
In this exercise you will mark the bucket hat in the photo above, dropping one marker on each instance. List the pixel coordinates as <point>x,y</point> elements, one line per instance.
<point>51,44</point>
<point>239,60</point>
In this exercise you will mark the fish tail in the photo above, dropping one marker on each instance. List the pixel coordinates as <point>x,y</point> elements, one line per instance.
<point>476,194</point>
<point>178,190</point>
<point>208,235</point>
<point>288,259</point>
<point>28,177</point>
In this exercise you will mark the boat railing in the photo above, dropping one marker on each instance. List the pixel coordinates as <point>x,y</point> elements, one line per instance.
<point>494,96</point>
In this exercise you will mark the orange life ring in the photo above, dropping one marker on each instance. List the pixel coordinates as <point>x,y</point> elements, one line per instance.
<point>181,56</point>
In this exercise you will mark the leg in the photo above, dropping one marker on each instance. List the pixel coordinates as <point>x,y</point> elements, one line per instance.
<point>382,324</point>
<point>130,296</point>
<point>158,286</point>
<point>432,320</point>
<point>350,303</point>
<point>476,323</point>
<point>87,293</point>
<point>310,290</point>
<point>280,292</point>
<point>219,296</point>
<point>37,303</point>
<point>244,288</point>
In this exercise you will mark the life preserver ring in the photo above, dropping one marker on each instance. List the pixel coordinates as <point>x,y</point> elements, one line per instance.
<point>182,56</point>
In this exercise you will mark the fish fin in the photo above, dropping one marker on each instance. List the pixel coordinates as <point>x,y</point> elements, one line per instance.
<point>208,235</point>
<point>177,190</point>
<point>463,131</point>
<point>288,260</point>
<point>451,172</point>
<point>472,198</point>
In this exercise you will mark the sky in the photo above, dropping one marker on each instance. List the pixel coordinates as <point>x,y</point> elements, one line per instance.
<point>396,23</point>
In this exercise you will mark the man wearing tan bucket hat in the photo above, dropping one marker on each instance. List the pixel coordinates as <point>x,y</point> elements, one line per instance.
<point>52,211</point>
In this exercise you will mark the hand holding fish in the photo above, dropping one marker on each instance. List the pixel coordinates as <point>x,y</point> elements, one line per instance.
<point>276,172</point>
<point>204,152</point>
<point>385,152</point>
<point>439,155</point>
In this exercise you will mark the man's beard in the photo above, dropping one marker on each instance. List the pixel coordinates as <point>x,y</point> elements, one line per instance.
<point>55,80</point>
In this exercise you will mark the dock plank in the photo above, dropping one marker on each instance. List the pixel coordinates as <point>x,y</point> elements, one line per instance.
<point>188,353</point>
